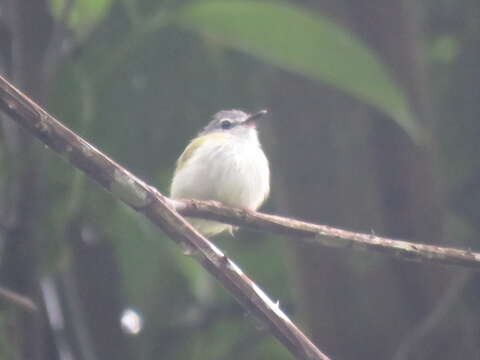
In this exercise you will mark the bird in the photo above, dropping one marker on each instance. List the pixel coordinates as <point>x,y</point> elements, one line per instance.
<point>225,163</point>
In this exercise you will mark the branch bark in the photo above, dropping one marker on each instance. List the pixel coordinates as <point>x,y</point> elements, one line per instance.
<point>326,235</point>
<point>148,201</point>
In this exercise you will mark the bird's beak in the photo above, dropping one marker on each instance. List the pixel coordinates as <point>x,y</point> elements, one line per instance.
<point>251,120</point>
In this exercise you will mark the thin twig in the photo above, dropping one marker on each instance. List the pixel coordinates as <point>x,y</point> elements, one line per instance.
<point>148,201</point>
<point>23,302</point>
<point>326,235</point>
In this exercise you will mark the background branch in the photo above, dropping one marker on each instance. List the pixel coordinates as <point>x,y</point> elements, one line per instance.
<point>11,297</point>
<point>156,207</point>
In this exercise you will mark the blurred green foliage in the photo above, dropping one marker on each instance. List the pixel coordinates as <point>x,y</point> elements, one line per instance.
<point>300,41</point>
<point>144,77</point>
<point>82,16</point>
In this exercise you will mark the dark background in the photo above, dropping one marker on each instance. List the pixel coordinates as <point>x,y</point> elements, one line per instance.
<point>374,127</point>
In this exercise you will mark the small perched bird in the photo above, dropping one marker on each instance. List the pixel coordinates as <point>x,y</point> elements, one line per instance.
<point>226,163</point>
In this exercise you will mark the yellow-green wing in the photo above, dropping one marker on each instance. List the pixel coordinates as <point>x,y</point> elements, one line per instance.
<point>194,145</point>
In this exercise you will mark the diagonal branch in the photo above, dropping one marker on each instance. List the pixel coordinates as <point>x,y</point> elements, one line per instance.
<point>148,201</point>
<point>326,235</point>
<point>20,301</point>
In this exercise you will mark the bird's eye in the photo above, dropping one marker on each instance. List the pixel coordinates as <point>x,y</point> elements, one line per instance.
<point>226,124</point>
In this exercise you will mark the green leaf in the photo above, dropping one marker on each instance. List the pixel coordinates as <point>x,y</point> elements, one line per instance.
<point>83,15</point>
<point>296,40</point>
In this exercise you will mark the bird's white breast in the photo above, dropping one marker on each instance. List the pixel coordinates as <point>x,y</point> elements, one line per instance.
<point>234,172</point>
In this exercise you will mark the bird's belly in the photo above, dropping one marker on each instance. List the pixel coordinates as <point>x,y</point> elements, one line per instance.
<point>245,181</point>
<point>236,176</point>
